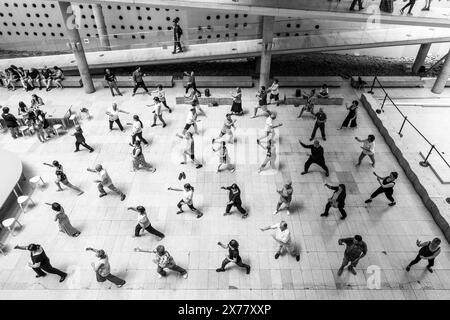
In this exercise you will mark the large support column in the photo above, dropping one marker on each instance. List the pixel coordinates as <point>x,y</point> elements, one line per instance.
<point>421,56</point>
<point>101,27</point>
<point>266,54</point>
<point>76,46</point>
<point>442,79</point>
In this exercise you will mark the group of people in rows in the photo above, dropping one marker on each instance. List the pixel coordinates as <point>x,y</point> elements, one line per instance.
<point>32,78</point>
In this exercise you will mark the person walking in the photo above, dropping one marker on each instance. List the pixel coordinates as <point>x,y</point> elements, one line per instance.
<point>269,127</point>
<point>80,140</point>
<point>350,119</point>
<point>321,118</point>
<point>274,91</point>
<point>157,113</point>
<point>285,197</point>
<point>177,33</point>
<point>386,186</point>
<point>355,249</point>
<point>40,261</point>
<point>410,4</point>
<point>191,82</point>
<point>102,268</point>
<point>61,177</point>
<point>188,195</point>
<point>164,260</point>
<point>270,154</point>
<point>136,131</point>
<point>138,80</point>
<point>113,116</point>
<point>234,199</point>
<point>429,250</point>
<point>63,220</point>
<point>105,181</point>
<point>262,102</point>
<point>160,93</point>
<point>111,80</point>
<point>224,159</point>
<point>337,200</point>
<point>189,149</point>
<point>360,6</point>
<point>233,256</point>
<point>139,159</point>
<point>191,120</point>
<point>144,223</point>
<point>368,149</point>
<point>11,122</point>
<point>282,236</point>
<point>236,107</point>
<point>316,157</point>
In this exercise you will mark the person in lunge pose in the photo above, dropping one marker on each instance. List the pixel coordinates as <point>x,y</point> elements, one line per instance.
<point>316,156</point>
<point>233,256</point>
<point>160,93</point>
<point>80,140</point>
<point>144,223</point>
<point>224,159</point>
<point>262,102</point>
<point>386,186</point>
<point>62,178</point>
<point>226,128</point>
<point>102,268</point>
<point>189,149</point>
<point>234,199</point>
<point>269,127</point>
<point>368,149</point>
<point>188,195</point>
<point>429,250</point>
<point>337,200</point>
<point>270,154</point>
<point>105,181</point>
<point>157,113</point>
<point>63,220</point>
<point>164,260</point>
<point>282,236</point>
<point>138,159</point>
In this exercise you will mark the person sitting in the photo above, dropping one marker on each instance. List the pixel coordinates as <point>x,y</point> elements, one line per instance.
<point>358,84</point>
<point>35,77</point>
<point>36,101</point>
<point>58,77</point>
<point>25,79</point>
<point>11,78</point>
<point>323,91</point>
<point>46,77</point>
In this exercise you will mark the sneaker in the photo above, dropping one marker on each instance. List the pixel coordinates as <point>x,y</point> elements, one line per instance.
<point>121,285</point>
<point>409,14</point>
<point>122,197</point>
<point>277,255</point>
<point>170,111</point>
<point>327,174</point>
<point>275,212</point>
<point>408,268</point>
<point>343,218</point>
<point>102,195</point>
<point>339,273</point>
<point>76,150</point>
<point>133,94</point>
<point>220,270</point>
<point>297,257</point>
<point>227,213</point>
<point>164,125</point>
<point>324,139</point>
<point>368,201</point>
<point>38,276</point>
<point>248,270</point>
<point>429,269</point>
<point>80,193</point>
<point>92,150</point>
<point>392,204</point>
<point>304,172</point>
<point>233,170</point>
<point>185,275</point>
<point>199,166</point>
<point>180,211</point>
<point>324,214</point>
<point>199,215</point>
<point>311,139</point>
<point>352,270</point>
<point>153,125</point>
<point>244,216</point>
<point>63,278</point>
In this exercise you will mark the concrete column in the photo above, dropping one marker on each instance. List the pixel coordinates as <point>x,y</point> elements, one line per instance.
<point>257,65</point>
<point>101,26</point>
<point>421,56</point>
<point>266,54</point>
<point>76,46</point>
<point>442,79</point>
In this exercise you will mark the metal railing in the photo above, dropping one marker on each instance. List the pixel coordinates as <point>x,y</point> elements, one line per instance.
<point>425,162</point>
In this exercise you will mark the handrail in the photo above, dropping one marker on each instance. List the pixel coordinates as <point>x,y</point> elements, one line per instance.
<point>425,162</point>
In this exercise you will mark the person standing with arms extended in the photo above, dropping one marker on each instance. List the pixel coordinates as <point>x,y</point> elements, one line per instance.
<point>234,199</point>
<point>113,116</point>
<point>224,159</point>
<point>285,197</point>
<point>80,140</point>
<point>321,119</point>
<point>62,178</point>
<point>351,116</point>
<point>63,220</point>
<point>386,186</point>
<point>337,200</point>
<point>316,157</point>
<point>102,268</point>
<point>111,80</point>
<point>164,260</point>
<point>282,236</point>
<point>368,149</point>
<point>157,113</point>
<point>355,249</point>
<point>138,80</point>
<point>40,262</point>
<point>191,82</point>
<point>144,223</point>
<point>429,250</point>
<point>177,33</point>
<point>233,256</point>
<point>188,195</point>
<point>105,181</point>
<point>136,131</point>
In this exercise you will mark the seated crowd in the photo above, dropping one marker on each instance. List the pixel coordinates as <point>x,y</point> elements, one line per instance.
<point>32,78</point>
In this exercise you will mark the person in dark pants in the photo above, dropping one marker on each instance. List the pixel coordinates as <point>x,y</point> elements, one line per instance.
<point>11,122</point>
<point>355,249</point>
<point>285,197</point>
<point>61,177</point>
<point>429,250</point>
<point>137,131</point>
<point>138,80</point>
<point>351,116</point>
<point>113,116</point>
<point>321,118</point>
<point>40,262</point>
<point>427,5</point>
<point>177,33</point>
<point>144,223</point>
<point>80,140</point>
<point>188,195</point>
<point>315,157</point>
<point>352,6</point>
<point>35,77</point>
<point>410,4</point>
<point>386,186</point>
<point>102,268</point>
<point>234,197</point>
<point>164,260</point>
<point>337,200</point>
<point>233,256</point>
<point>191,82</point>
<point>111,80</point>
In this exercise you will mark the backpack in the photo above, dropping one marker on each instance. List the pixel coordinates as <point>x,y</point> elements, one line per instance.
<point>179,31</point>
<point>207,93</point>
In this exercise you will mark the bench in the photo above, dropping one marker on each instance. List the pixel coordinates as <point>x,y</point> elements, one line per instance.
<point>309,81</point>
<point>332,100</point>
<point>207,100</point>
<point>150,81</point>
<point>221,82</point>
<point>393,81</point>
<point>68,81</point>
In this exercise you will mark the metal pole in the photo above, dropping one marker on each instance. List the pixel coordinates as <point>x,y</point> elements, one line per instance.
<point>401,128</point>
<point>425,162</point>
<point>382,105</point>
<point>373,84</point>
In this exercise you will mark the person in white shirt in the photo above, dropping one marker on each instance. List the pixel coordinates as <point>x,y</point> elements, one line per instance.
<point>102,268</point>
<point>323,93</point>
<point>137,131</point>
<point>282,236</point>
<point>226,128</point>
<point>162,96</point>
<point>105,181</point>
<point>144,223</point>
<point>191,120</point>
<point>188,195</point>
<point>274,92</point>
<point>189,149</point>
<point>164,261</point>
<point>157,111</point>
<point>269,127</point>
<point>113,114</point>
<point>224,159</point>
<point>368,149</point>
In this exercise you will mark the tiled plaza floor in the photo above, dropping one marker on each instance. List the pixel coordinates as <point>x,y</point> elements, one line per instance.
<point>390,232</point>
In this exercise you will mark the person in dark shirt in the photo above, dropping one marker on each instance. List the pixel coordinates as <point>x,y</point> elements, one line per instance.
<point>315,157</point>
<point>337,200</point>
<point>191,82</point>
<point>40,262</point>
<point>138,80</point>
<point>355,249</point>
<point>35,77</point>
<point>233,256</point>
<point>177,33</point>
<point>321,118</point>
<point>80,140</point>
<point>429,250</point>
<point>410,4</point>
<point>62,178</point>
<point>47,77</point>
<point>11,122</point>
<point>111,80</point>
<point>386,186</point>
<point>234,197</point>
